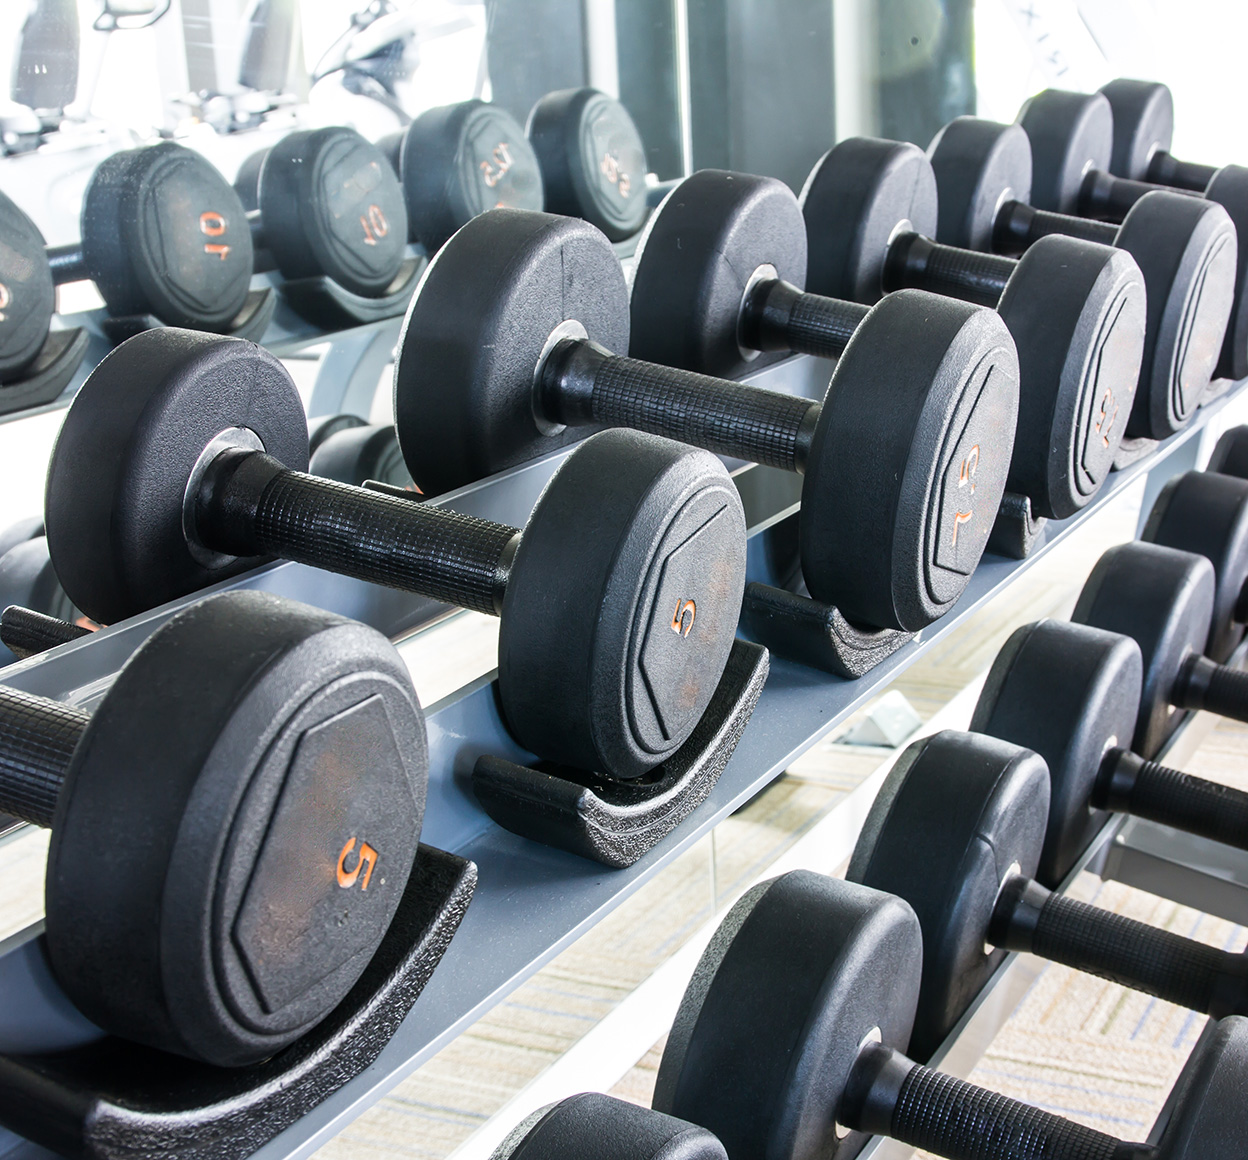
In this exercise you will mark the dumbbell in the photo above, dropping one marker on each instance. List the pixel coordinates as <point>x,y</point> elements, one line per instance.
<point>1163,598</point>
<point>359,453</point>
<point>25,633</point>
<point>326,202</point>
<point>1075,311</point>
<point>1071,693</point>
<point>27,578</point>
<point>595,1125</point>
<point>232,829</point>
<point>1230,453</point>
<point>1072,137</point>
<point>787,1045</point>
<point>1184,246</point>
<point>504,356</point>
<point>592,159</point>
<point>457,161</point>
<point>181,462</point>
<point>956,830</point>
<point>162,233</point>
<point>1206,512</point>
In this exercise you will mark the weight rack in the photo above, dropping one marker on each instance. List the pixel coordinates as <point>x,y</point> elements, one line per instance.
<point>533,901</point>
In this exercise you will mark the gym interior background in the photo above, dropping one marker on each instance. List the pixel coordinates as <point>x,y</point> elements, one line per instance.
<point>758,87</point>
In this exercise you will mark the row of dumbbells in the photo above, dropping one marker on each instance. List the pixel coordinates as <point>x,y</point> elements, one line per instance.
<point>163,234</point>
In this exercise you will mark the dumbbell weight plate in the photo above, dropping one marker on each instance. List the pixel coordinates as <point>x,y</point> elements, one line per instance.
<point>457,161</point>
<point>27,296</point>
<point>750,1052</point>
<point>979,165</point>
<point>321,429</point>
<point>592,159</point>
<point>1207,513</point>
<point>27,580</point>
<point>212,940</point>
<point>1069,688</point>
<point>944,831</point>
<point>1069,134</point>
<point>1143,120</point>
<point>695,261</point>
<point>357,454</point>
<point>1208,1116</point>
<point>331,205</point>
<point>19,532</point>
<point>619,650</point>
<point>164,233</point>
<point>486,424</point>
<point>123,461</point>
<point>591,1124</point>
<point>878,185</point>
<point>1229,188</point>
<point>1163,598</point>
<point>247,180</point>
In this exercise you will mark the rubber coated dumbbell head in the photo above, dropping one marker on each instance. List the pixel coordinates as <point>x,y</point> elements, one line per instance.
<point>320,429</point>
<point>123,473</point>
<point>1069,692</point>
<point>709,240</point>
<point>610,658</point>
<point>1143,124</point>
<point>857,197</point>
<point>1207,1116</point>
<point>595,1125</point>
<point>457,161</point>
<point>293,741</point>
<point>330,204</point>
<point>488,310</point>
<point>956,816</point>
<point>761,1060</point>
<point>979,165</point>
<point>1207,513</point>
<point>359,453</point>
<point>1163,598</point>
<point>592,159</point>
<point>164,233</point>
<point>1230,453</point>
<point>27,296</point>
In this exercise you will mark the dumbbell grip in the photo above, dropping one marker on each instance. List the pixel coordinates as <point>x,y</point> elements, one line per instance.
<point>37,739</point>
<point>918,262</point>
<point>1018,225</point>
<point>890,1095</point>
<point>250,505</point>
<point>1204,684</point>
<point>1166,169</point>
<point>26,633</point>
<point>67,263</point>
<point>1127,784</point>
<point>777,316</point>
<point>583,384</point>
<point>1108,197</point>
<point>1180,970</point>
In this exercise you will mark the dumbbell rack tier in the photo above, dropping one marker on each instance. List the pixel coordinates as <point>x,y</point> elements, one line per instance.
<point>533,901</point>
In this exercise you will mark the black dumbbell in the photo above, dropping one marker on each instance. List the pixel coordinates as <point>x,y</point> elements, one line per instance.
<point>1075,310</point>
<point>956,831</point>
<point>182,461</point>
<point>162,233</point>
<point>359,453</point>
<point>1206,512</point>
<point>1071,692</point>
<point>788,1043</point>
<point>1230,453</point>
<point>595,1125</point>
<point>232,829</point>
<point>1163,598</point>
<point>25,633</point>
<point>324,426</point>
<point>1185,247</point>
<point>592,159</point>
<point>1071,146</point>
<point>905,460</point>
<point>457,161</point>
<point>27,578</point>
<point>326,202</point>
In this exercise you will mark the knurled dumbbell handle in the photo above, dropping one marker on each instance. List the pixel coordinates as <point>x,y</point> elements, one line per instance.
<point>584,384</point>
<point>1019,224</point>
<point>1127,784</point>
<point>1180,970</point>
<point>1204,684</point>
<point>1108,197</point>
<point>250,505</point>
<point>778,316</point>
<point>25,632</point>
<point>1166,169</point>
<point>37,739</point>
<point>920,263</point>
<point>889,1095</point>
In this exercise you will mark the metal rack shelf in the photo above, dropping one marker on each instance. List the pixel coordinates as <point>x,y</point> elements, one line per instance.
<point>532,901</point>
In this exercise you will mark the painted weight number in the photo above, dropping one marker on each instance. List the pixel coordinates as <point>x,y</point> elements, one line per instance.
<point>494,169</point>
<point>966,478</point>
<point>375,225</point>
<point>366,860</point>
<point>214,225</point>
<point>679,625</point>
<point>6,300</point>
